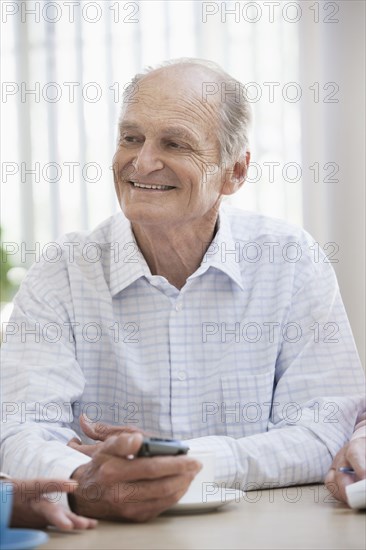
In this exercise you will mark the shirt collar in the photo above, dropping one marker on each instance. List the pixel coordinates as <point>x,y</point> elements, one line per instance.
<point>223,253</point>
<point>127,264</point>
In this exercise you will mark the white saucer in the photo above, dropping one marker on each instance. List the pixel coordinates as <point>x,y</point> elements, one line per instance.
<point>206,503</point>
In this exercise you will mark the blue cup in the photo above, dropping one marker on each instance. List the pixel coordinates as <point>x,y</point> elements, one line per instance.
<point>6,501</point>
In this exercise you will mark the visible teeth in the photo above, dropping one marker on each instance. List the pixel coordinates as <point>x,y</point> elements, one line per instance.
<point>146,186</point>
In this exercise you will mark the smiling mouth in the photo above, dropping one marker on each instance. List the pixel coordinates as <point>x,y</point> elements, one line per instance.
<point>154,187</point>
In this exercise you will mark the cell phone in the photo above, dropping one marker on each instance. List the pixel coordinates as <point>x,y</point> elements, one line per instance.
<point>154,446</point>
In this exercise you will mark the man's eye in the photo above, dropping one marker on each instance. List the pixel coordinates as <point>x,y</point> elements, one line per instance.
<point>174,145</point>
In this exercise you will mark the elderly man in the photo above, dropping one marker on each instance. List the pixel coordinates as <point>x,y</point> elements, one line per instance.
<point>182,317</point>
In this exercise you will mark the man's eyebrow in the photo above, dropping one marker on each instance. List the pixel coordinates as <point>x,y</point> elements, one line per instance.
<point>174,131</point>
<point>127,126</point>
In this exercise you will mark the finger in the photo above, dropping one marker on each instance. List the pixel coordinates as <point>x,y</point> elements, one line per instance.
<point>149,509</point>
<point>101,431</point>
<point>157,489</point>
<point>88,450</point>
<point>329,478</point>
<point>334,484</point>
<point>356,456</point>
<point>141,491</point>
<point>340,458</point>
<point>52,514</point>
<point>341,481</point>
<point>116,468</point>
<point>31,489</point>
<point>163,466</point>
<point>74,442</point>
<point>122,445</point>
<point>81,522</point>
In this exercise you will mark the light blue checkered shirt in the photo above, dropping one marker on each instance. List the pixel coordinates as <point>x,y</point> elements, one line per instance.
<point>253,358</point>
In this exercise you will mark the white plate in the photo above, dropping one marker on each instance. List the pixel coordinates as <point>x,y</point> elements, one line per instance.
<point>206,503</point>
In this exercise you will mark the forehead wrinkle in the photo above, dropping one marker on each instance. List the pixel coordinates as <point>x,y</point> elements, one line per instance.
<point>199,119</point>
<point>184,98</point>
<point>207,112</point>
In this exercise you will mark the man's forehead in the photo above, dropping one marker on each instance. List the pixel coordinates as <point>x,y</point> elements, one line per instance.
<point>169,102</point>
<point>178,109</point>
<point>179,81</point>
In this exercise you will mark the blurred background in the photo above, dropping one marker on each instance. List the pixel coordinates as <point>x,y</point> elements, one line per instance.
<point>65,66</point>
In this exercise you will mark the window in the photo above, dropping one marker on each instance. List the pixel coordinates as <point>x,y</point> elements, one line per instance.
<point>64,71</point>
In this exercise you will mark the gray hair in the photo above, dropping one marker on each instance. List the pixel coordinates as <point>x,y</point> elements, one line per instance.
<point>235,113</point>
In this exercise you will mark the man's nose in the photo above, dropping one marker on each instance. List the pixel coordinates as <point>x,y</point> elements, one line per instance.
<point>148,159</point>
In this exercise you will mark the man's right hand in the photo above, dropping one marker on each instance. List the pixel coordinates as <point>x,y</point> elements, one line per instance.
<point>113,485</point>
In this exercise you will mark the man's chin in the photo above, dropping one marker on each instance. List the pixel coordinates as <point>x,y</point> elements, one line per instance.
<point>145,213</point>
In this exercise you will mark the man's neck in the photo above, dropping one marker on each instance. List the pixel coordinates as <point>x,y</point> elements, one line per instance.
<point>175,252</point>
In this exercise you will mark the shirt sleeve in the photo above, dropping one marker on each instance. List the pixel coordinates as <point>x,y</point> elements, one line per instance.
<point>41,378</point>
<point>317,396</point>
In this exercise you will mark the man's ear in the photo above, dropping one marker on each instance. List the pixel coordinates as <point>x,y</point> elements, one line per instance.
<point>236,175</point>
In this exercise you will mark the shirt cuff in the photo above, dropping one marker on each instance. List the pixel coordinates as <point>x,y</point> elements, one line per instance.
<point>225,462</point>
<point>65,471</point>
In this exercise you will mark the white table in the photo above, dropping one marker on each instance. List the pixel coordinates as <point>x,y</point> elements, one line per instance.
<point>305,517</point>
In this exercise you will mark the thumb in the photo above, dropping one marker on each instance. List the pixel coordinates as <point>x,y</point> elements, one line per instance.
<point>94,430</point>
<point>100,431</point>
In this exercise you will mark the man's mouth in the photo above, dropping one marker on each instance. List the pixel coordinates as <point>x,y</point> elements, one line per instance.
<point>153,186</point>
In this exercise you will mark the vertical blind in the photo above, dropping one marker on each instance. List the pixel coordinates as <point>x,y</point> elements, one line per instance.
<point>65,65</point>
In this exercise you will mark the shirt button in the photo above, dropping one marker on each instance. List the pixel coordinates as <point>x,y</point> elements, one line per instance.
<point>182,375</point>
<point>178,307</point>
